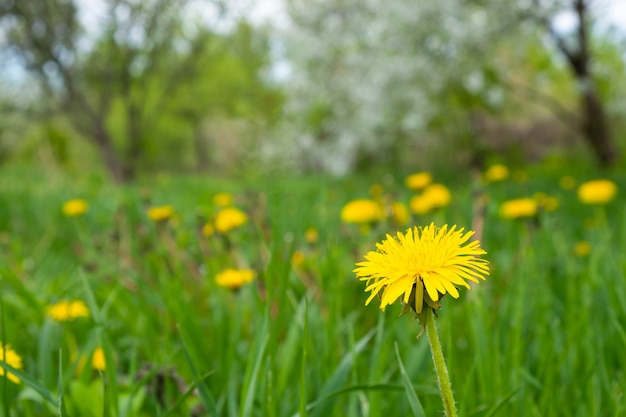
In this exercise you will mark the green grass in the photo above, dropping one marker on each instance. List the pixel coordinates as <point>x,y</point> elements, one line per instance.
<point>545,335</point>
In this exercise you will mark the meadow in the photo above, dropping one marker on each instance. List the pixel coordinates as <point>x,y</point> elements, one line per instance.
<point>114,309</point>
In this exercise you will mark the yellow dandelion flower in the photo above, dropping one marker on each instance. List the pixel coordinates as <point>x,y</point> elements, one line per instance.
<point>376,191</point>
<point>420,205</point>
<point>160,213</point>
<point>311,235</point>
<point>519,208</point>
<point>496,173</point>
<point>582,249</point>
<point>234,278</point>
<point>597,192</point>
<point>567,182</point>
<point>431,258</point>
<point>229,218</point>
<point>298,258</point>
<point>10,357</point>
<point>546,202</point>
<point>520,177</point>
<point>98,362</point>
<point>361,211</point>
<point>75,207</point>
<point>223,199</point>
<point>208,230</point>
<point>438,195</point>
<point>67,310</point>
<point>418,181</point>
<point>400,213</point>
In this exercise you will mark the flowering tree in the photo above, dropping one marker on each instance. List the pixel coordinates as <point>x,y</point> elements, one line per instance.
<point>370,80</point>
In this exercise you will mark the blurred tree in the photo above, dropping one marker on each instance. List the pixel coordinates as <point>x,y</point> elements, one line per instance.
<point>144,85</point>
<point>377,80</point>
<point>576,47</point>
<point>375,77</point>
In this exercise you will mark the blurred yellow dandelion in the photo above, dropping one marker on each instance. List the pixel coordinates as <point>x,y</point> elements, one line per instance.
<point>519,208</point>
<point>298,258</point>
<point>361,211</point>
<point>10,357</point>
<point>582,249</point>
<point>422,265</point>
<point>496,173</point>
<point>98,362</point>
<point>597,192</point>
<point>400,213</point>
<point>376,191</point>
<point>420,205</point>
<point>311,235</point>
<point>208,230</point>
<point>567,182</point>
<point>223,199</point>
<point>67,310</point>
<point>438,195</point>
<point>160,213</point>
<point>229,218</point>
<point>520,177</point>
<point>234,278</point>
<point>418,181</point>
<point>547,203</point>
<point>75,207</point>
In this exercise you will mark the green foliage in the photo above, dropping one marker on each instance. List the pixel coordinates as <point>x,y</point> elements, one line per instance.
<point>545,334</point>
<point>145,86</point>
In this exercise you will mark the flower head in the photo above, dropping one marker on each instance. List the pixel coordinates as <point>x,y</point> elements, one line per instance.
<point>311,235</point>
<point>376,191</point>
<point>597,191</point>
<point>496,173</point>
<point>208,230</point>
<point>434,196</point>
<point>582,249</point>
<point>9,356</point>
<point>420,205</point>
<point>75,207</point>
<point>546,202</point>
<point>361,211</point>
<point>67,310</point>
<point>229,218</point>
<point>422,265</point>
<point>160,213</point>
<point>567,182</point>
<point>223,199</point>
<point>438,195</point>
<point>234,278</point>
<point>400,213</point>
<point>298,258</point>
<point>519,208</point>
<point>418,181</point>
<point>98,361</point>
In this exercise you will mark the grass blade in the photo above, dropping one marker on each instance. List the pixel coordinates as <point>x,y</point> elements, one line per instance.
<point>414,402</point>
<point>62,411</point>
<point>305,342</point>
<point>252,373</point>
<point>205,394</point>
<point>28,381</point>
<point>339,377</point>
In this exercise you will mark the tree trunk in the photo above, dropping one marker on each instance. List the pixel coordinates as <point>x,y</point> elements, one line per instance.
<point>111,158</point>
<point>596,130</point>
<point>594,123</point>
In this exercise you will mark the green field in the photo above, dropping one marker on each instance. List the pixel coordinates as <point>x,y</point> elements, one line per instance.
<point>544,335</point>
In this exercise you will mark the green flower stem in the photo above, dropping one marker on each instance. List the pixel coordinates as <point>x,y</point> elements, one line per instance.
<point>440,367</point>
